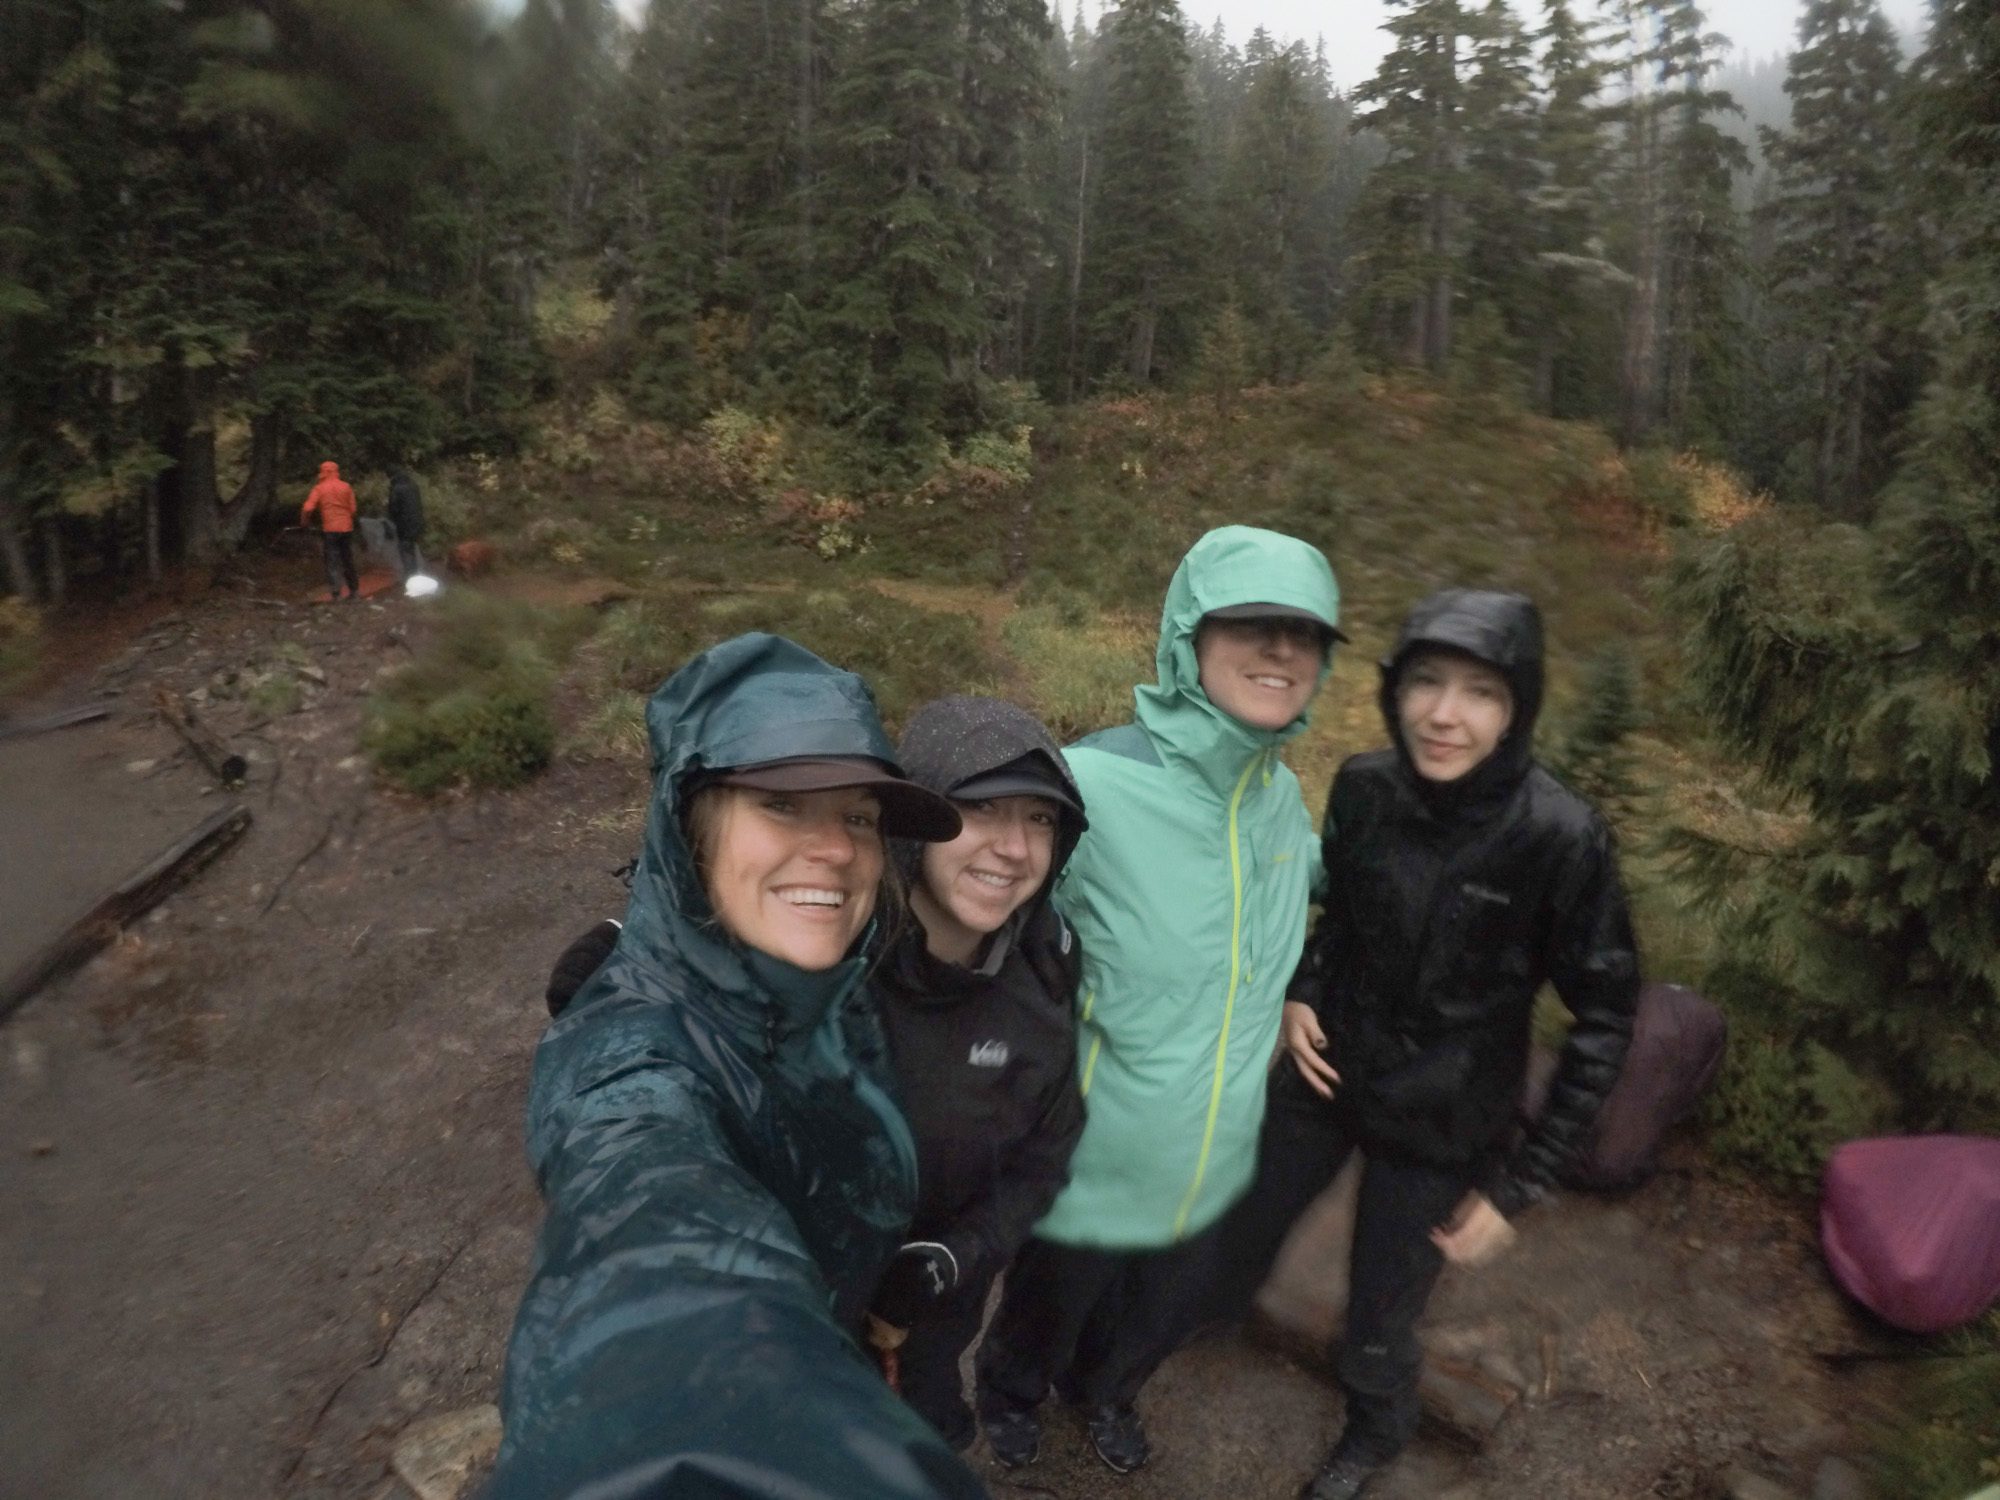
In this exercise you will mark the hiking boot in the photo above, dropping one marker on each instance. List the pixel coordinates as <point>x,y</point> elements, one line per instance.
<point>1339,1479</point>
<point>1119,1437</point>
<point>1015,1436</point>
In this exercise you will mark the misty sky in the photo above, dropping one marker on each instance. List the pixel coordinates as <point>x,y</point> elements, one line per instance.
<point>1354,41</point>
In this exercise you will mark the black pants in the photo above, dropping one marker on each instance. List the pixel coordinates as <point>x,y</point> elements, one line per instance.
<point>1394,1265</point>
<point>407,555</point>
<point>337,551</point>
<point>929,1362</point>
<point>1094,1324</point>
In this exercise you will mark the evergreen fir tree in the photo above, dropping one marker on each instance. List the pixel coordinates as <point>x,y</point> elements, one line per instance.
<point>1504,175</point>
<point>904,295</point>
<point>1271,227</point>
<point>1413,240</point>
<point>1144,280</point>
<point>1833,236</point>
<point>1568,302</point>
<point>1861,669</point>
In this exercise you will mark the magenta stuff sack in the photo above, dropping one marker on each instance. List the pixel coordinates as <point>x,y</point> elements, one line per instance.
<point>1678,1039</point>
<point>1910,1226</point>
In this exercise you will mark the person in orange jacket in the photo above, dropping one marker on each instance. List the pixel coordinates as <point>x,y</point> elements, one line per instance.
<point>333,498</point>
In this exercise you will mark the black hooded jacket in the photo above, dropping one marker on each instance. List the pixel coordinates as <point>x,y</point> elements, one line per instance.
<point>1448,904</point>
<point>985,1057</point>
<point>406,506</point>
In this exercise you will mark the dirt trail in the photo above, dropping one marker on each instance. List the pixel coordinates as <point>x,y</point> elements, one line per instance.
<point>266,1205</point>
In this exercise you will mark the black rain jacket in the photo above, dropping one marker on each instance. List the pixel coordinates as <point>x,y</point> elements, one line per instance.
<point>1448,905</point>
<point>724,1169</point>
<point>986,1056</point>
<point>406,506</point>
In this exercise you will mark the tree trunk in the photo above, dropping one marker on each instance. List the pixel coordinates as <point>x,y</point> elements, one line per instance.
<point>55,569</point>
<point>152,504</point>
<point>19,573</point>
<point>1639,371</point>
<point>1076,273</point>
<point>1139,353</point>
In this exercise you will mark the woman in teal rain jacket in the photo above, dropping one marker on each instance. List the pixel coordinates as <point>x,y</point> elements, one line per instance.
<point>725,1170</point>
<point>1189,897</point>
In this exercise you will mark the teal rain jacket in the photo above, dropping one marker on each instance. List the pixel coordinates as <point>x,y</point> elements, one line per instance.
<point>1189,895</point>
<point>724,1169</point>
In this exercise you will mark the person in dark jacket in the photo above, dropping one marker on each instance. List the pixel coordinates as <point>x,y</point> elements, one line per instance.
<point>406,514</point>
<point>978,1000</point>
<point>711,1124</point>
<point>1460,876</point>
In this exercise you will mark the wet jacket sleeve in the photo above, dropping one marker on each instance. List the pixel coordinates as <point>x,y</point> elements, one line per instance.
<point>1594,965</point>
<point>675,1338</point>
<point>1308,986</point>
<point>990,1230</point>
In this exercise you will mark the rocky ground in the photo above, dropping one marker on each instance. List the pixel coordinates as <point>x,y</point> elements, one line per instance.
<point>267,1216</point>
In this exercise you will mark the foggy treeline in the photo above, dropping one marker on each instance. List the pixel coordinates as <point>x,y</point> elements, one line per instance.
<point>276,230</point>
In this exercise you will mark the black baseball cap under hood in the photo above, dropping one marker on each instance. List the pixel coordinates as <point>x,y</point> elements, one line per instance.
<point>969,749</point>
<point>1500,629</point>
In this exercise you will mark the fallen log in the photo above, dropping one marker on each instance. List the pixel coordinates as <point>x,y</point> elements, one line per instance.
<point>15,728</point>
<point>136,894</point>
<point>224,764</point>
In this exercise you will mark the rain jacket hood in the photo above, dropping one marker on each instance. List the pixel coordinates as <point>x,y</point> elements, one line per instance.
<point>1230,565</point>
<point>724,1167</point>
<point>329,470</point>
<point>952,740</point>
<point>750,700</point>
<point>1505,632</point>
<point>1189,897</point>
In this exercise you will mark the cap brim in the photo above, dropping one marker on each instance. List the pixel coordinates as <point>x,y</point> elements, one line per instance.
<point>1006,783</point>
<point>1266,611</point>
<point>908,810</point>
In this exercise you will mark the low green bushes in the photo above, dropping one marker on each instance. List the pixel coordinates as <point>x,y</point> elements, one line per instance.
<point>907,654</point>
<point>476,706</point>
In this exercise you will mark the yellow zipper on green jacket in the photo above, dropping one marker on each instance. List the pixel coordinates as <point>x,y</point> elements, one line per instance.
<point>1228,1005</point>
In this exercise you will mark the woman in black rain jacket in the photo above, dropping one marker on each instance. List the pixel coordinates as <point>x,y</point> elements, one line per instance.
<point>1460,876</point>
<point>977,996</point>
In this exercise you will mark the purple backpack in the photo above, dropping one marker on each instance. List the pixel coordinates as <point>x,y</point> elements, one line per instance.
<point>1678,1039</point>
<point>1911,1227</point>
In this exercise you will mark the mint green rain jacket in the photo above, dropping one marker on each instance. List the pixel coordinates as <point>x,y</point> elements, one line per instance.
<point>1189,895</point>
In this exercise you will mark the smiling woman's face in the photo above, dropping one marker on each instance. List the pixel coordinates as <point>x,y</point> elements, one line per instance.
<point>1454,712</point>
<point>792,874</point>
<point>1261,672</point>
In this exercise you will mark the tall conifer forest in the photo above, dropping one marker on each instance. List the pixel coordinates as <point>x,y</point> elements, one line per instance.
<point>238,236</point>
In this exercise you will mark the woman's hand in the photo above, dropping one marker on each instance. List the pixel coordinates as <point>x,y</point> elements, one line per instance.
<point>1303,1038</point>
<point>1476,1233</point>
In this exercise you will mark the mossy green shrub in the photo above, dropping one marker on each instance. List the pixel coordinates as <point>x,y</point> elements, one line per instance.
<point>906,653</point>
<point>1946,1441</point>
<point>476,706</point>
<point>1782,1105</point>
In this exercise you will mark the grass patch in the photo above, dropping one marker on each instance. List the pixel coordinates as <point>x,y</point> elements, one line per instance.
<point>906,653</point>
<point>1079,667</point>
<point>1948,1439</point>
<point>476,706</point>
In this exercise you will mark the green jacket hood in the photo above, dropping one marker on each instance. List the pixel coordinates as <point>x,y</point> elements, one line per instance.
<point>752,699</point>
<point>1228,566</point>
